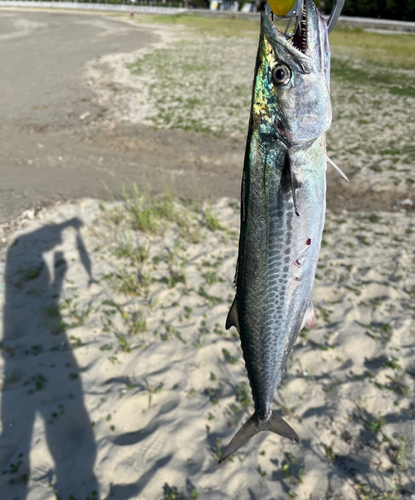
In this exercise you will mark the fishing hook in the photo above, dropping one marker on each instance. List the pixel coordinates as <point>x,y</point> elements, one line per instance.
<point>335,13</point>
<point>296,12</point>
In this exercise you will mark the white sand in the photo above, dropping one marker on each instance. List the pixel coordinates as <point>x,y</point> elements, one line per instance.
<point>63,370</point>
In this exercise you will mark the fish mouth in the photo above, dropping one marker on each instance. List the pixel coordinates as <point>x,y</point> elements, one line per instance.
<point>297,40</point>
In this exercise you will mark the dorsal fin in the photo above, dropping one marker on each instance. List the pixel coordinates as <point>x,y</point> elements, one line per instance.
<point>232,319</point>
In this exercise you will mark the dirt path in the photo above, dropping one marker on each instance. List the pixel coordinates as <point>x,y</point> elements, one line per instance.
<point>52,142</point>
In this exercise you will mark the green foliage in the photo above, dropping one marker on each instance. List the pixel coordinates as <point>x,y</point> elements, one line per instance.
<point>77,316</point>
<point>129,283</point>
<point>39,381</point>
<point>212,221</point>
<point>176,277</point>
<point>125,346</point>
<point>137,255</point>
<point>243,395</point>
<point>229,358</point>
<point>29,274</point>
<point>387,9</point>
<point>375,425</point>
<point>145,212</point>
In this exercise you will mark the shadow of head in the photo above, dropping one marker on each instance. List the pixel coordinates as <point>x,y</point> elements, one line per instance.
<point>25,256</point>
<point>46,237</point>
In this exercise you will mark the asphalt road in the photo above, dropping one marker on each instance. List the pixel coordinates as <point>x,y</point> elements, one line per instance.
<point>44,149</point>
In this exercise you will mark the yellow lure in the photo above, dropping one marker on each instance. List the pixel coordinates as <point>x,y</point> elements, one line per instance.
<point>281,7</point>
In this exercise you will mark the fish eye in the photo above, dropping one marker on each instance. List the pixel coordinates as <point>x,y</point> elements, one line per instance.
<point>281,74</point>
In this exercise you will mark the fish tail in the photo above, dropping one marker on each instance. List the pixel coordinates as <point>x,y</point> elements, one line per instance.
<point>274,424</point>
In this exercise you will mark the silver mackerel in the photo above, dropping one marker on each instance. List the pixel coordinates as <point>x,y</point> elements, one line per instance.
<point>282,207</point>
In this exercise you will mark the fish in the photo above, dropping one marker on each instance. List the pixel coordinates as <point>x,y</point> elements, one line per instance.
<point>283,201</point>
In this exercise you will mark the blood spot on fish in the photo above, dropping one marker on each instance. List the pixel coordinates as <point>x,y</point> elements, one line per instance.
<point>308,242</point>
<point>297,279</point>
<point>297,263</point>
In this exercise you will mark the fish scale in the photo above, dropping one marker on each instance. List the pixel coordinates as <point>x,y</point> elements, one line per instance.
<point>282,208</point>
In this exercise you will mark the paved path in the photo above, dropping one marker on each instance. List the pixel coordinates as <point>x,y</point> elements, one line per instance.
<point>48,153</point>
<point>44,152</point>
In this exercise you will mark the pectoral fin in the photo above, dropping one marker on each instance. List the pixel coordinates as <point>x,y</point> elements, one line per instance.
<point>253,426</point>
<point>331,163</point>
<point>295,184</point>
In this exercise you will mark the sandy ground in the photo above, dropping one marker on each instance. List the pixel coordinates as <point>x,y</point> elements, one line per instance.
<point>119,378</point>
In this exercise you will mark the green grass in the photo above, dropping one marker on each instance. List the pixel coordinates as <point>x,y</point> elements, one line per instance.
<point>129,282</point>
<point>136,254</point>
<point>191,69</point>
<point>77,315</point>
<point>243,395</point>
<point>175,277</point>
<point>212,221</point>
<point>390,51</point>
<point>152,389</point>
<point>228,357</point>
<point>146,213</point>
<point>374,75</point>
<point>228,27</point>
<point>29,274</point>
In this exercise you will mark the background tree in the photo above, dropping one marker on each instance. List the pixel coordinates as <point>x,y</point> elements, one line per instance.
<point>387,9</point>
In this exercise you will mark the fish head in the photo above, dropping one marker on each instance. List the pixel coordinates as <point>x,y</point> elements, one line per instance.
<point>291,97</point>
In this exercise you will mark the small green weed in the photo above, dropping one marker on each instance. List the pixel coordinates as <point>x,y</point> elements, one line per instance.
<point>130,282</point>
<point>125,346</point>
<point>30,273</point>
<point>176,276</point>
<point>76,342</point>
<point>211,277</point>
<point>375,425</point>
<point>39,381</point>
<point>136,254</point>
<point>210,298</point>
<point>243,395</point>
<point>212,221</point>
<point>75,314</point>
<point>230,359</point>
<point>151,390</point>
<point>35,350</point>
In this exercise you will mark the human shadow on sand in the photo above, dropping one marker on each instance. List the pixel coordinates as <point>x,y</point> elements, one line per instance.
<point>41,373</point>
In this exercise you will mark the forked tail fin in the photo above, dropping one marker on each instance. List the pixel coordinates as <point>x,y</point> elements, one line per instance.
<point>253,426</point>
